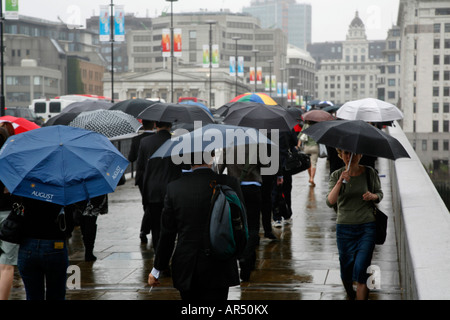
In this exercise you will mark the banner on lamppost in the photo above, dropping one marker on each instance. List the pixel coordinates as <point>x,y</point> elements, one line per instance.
<point>252,75</point>
<point>205,56</point>
<point>215,55</point>
<point>232,66</point>
<point>119,23</point>
<point>274,83</point>
<point>267,83</point>
<point>285,87</point>
<point>104,31</point>
<point>259,75</point>
<point>165,42</point>
<point>279,90</point>
<point>294,95</point>
<point>177,42</point>
<point>289,95</point>
<point>240,67</point>
<point>12,10</point>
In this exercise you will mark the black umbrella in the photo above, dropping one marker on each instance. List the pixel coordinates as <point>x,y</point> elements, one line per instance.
<point>132,106</point>
<point>175,113</point>
<point>295,112</point>
<point>357,136</point>
<point>61,119</point>
<point>260,116</point>
<point>86,105</point>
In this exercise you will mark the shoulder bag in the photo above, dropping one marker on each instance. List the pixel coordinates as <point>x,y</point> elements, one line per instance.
<point>296,161</point>
<point>381,219</point>
<point>11,228</point>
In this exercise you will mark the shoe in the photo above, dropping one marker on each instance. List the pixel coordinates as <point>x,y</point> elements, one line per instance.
<point>270,236</point>
<point>144,239</point>
<point>287,221</point>
<point>277,224</point>
<point>245,272</point>
<point>88,257</point>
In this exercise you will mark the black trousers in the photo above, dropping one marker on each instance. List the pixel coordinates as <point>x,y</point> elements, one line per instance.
<point>252,198</point>
<point>151,221</point>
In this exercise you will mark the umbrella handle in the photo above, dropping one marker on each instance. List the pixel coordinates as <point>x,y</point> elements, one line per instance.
<point>348,167</point>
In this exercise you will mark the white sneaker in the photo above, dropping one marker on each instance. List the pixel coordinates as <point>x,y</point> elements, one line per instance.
<point>277,224</point>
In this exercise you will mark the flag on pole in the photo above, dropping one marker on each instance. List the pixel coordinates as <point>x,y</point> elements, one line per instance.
<point>240,68</point>
<point>12,10</point>
<point>165,42</point>
<point>205,56</point>
<point>232,66</point>
<point>104,24</point>
<point>119,23</point>
<point>215,55</point>
<point>177,42</point>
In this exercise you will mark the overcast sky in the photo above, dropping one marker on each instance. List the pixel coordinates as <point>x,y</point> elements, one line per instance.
<point>330,18</point>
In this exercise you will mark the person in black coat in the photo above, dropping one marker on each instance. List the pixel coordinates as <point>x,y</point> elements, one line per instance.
<point>134,153</point>
<point>158,173</point>
<point>186,208</point>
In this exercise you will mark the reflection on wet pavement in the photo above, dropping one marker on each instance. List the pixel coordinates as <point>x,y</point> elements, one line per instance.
<point>301,265</point>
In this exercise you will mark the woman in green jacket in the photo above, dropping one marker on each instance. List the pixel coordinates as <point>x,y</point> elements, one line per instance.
<point>355,230</point>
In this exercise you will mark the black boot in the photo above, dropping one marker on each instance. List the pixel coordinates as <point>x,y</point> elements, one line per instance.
<point>89,254</point>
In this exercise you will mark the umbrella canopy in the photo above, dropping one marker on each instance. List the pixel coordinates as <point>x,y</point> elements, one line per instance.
<point>357,136</point>
<point>255,97</point>
<point>132,106</point>
<point>61,119</point>
<point>260,116</point>
<point>175,113</point>
<point>208,138</point>
<point>19,124</point>
<point>370,110</point>
<point>111,123</point>
<point>86,105</point>
<point>331,109</point>
<point>317,116</point>
<point>60,164</point>
<point>193,103</point>
<point>325,103</point>
<point>295,112</point>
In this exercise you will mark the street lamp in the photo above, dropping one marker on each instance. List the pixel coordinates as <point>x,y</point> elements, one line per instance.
<point>210,22</point>
<point>171,46</point>
<point>2,94</point>
<point>255,51</point>
<point>270,77</point>
<point>236,63</point>
<point>111,39</point>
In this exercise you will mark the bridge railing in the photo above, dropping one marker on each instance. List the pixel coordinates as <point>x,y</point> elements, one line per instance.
<point>422,228</point>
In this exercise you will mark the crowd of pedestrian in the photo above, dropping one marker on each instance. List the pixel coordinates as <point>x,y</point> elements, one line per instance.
<point>176,200</point>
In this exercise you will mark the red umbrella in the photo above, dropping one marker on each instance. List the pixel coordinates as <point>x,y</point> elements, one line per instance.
<point>20,124</point>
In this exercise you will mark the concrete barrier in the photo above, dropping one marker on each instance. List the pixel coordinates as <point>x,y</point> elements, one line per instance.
<point>422,228</point>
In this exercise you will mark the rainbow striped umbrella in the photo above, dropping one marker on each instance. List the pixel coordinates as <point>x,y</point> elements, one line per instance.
<point>255,97</point>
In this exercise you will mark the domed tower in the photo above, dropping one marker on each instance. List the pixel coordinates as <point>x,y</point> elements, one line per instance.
<point>356,30</point>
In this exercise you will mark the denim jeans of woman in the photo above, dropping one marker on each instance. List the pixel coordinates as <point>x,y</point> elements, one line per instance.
<point>356,243</point>
<point>43,267</point>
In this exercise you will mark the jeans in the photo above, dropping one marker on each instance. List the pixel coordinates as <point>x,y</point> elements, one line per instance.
<point>43,267</point>
<point>356,243</point>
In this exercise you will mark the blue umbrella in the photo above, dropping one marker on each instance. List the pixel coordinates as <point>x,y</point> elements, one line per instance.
<point>60,164</point>
<point>193,103</point>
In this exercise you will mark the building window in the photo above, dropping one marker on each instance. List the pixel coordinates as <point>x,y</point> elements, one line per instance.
<point>446,107</point>
<point>435,145</point>
<point>445,126</point>
<point>435,126</point>
<point>445,145</point>
<point>435,59</point>
<point>435,91</point>
<point>435,107</point>
<point>446,75</point>
<point>447,27</point>
<point>435,75</point>
<point>446,91</point>
<point>437,43</point>
<point>424,145</point>
<point>437,28</point>
<point>447,43</point>
<point>391,82</point>
<point>447,59</point>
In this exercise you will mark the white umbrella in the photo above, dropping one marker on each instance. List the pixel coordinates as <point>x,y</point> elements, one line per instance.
<point>369,110</point>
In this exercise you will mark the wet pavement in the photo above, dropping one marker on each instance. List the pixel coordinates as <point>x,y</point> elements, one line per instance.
<point>301,265</point>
